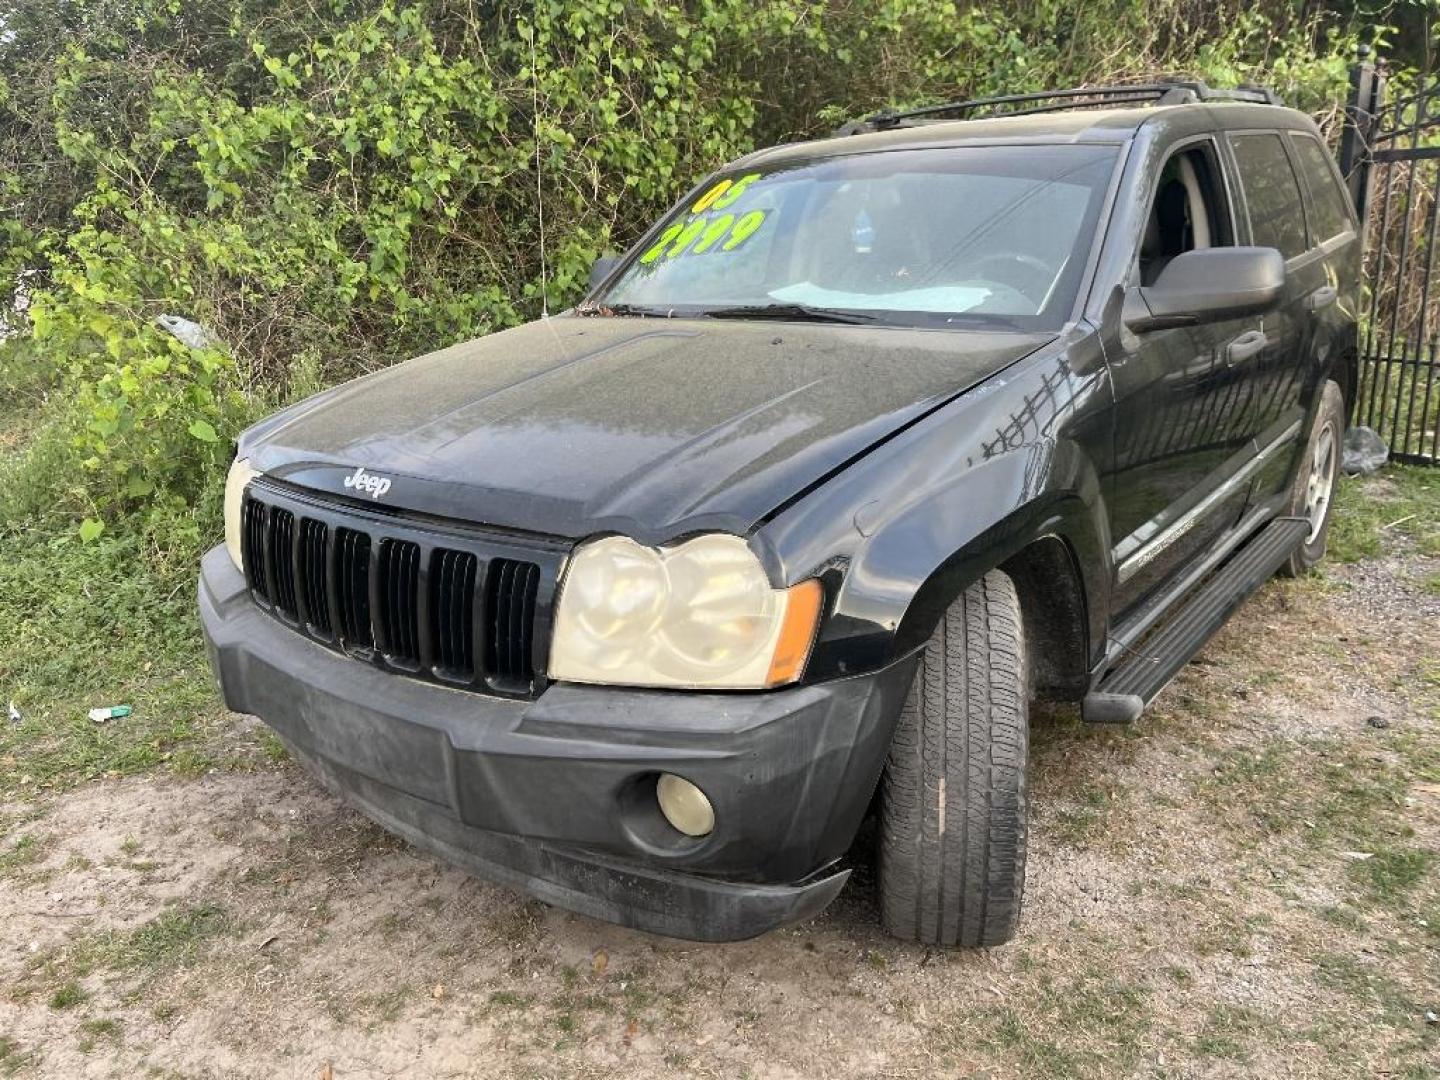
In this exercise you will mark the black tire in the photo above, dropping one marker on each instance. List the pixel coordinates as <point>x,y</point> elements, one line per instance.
<point>953,802</point>
<point>1329,424</point>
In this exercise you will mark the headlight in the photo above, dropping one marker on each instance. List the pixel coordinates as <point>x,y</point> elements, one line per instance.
<point>698,615</point>
<point>240,474</point>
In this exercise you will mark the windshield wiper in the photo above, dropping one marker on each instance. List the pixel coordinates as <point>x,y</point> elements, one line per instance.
<point>798,312</point>
<point>625,309</point>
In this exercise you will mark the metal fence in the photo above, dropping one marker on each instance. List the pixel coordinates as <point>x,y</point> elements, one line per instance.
<point>1390,155</point>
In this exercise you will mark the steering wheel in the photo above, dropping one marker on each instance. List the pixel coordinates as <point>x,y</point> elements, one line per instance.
<point>1033,278</point>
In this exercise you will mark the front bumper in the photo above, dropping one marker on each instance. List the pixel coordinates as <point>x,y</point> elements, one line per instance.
<point>555,796</point>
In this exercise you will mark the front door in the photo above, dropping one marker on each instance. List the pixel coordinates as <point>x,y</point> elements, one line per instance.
<point>1179,473</point>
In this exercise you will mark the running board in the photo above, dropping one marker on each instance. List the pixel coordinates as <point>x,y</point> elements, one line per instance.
<point>1144,671</point>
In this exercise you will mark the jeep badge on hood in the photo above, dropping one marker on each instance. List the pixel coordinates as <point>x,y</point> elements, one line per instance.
<point>375,486</point>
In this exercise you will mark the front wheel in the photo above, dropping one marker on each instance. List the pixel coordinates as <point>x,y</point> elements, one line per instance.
<point>953,799</point>
<point>1314,491</point>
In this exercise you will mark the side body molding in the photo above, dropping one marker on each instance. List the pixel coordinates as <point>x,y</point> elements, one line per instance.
<point>899,534</point>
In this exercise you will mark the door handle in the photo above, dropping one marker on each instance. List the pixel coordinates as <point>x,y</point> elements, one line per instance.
<point>1245,346</point>
<point>1321,298</point>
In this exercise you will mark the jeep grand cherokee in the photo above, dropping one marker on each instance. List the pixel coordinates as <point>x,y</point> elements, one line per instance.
<point>868,443</point>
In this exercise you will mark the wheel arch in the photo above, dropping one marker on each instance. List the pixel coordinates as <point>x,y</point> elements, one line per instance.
<point>1054,604</point>
<point>1345,371</point>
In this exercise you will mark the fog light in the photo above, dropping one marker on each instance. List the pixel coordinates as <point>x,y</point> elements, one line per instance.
<point>684,805</point>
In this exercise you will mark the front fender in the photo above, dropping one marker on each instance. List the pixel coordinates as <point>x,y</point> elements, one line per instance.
<point>922,546</point>
<point>902,532</point>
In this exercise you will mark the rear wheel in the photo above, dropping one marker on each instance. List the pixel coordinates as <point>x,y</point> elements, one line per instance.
<point>953,808</point>
<point>1314,489</point>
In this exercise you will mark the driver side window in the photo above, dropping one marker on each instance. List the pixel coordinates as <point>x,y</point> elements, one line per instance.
<point>1186,212</point>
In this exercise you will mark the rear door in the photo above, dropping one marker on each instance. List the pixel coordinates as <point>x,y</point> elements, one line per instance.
<point>1275,217</point>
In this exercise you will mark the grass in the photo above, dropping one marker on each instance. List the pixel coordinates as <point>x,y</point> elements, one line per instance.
<point>1084,819</point>
<point>1346,918</point>
<point>1089,1024</point>
<point>174,939</point>
<point>1337,799</point>
<point>13,1057</point>
<point>99,624</point>
<point>1402,503</point>
<point>383,1007</point>
<point>509,999</point>
<point>271,747</point>
<point>101,1029</point>
<point>1391,874</point>
<point>1367,987</point>
<point>1228,1032</point>
<point>68,994</point>
<point>26,851</point>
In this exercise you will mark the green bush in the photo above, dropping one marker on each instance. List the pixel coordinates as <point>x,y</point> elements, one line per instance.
<point>335,187</point>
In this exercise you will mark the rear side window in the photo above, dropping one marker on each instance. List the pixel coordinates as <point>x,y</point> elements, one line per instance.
<point>1272,194</point>
<point>1329,211</point>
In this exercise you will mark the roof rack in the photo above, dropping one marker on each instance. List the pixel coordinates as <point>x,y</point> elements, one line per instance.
<point>1164,91</point>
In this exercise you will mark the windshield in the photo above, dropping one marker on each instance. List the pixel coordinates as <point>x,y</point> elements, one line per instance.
<point>985,236</point>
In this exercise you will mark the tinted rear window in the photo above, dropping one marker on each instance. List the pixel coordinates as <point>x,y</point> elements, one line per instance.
<point>1272,194</point>
<point>1329,210</point>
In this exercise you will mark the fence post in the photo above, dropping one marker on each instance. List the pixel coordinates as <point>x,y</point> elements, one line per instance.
<point>1367,92</point>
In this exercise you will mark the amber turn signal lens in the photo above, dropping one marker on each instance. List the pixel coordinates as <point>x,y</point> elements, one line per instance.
<point>797,633</point>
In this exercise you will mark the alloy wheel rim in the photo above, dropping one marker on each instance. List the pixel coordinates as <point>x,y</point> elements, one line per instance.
<point>1321,481</point>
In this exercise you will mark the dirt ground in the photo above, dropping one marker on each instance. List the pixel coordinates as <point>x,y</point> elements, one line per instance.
<point>1244,884</point>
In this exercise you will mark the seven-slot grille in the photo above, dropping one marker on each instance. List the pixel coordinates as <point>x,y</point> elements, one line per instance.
<point>440,603</point>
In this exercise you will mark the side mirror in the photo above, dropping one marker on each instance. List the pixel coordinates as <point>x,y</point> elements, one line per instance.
<point>1208,284</point>
<point>601,270</point>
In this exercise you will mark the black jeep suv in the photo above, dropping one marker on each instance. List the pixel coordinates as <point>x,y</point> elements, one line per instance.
<point>643,607</point>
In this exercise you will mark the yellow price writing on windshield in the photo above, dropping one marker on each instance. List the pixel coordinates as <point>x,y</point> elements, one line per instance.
<point>702,234</point>
<point>744,229</point>
<point>723,194</point>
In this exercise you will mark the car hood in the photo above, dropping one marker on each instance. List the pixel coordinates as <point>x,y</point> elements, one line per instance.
<point>571,426</point>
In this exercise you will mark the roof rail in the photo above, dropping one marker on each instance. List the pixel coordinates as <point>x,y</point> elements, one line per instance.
<point>1163,91</point>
